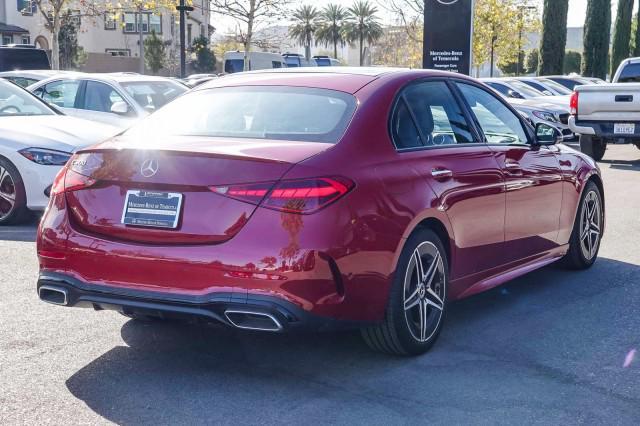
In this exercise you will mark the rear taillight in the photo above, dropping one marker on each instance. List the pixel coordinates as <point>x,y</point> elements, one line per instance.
<point>573,104</point>
<point>292,196</point>
<point>67,180</point>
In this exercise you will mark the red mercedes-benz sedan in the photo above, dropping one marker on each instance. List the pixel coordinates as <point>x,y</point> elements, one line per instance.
<point>317,198</point>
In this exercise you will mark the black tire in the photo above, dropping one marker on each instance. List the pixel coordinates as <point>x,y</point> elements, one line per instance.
<point>398,332</point>
<point>581,254</point>
<point>637,144</point>
<point>11,183</point>
<point>593,147</point>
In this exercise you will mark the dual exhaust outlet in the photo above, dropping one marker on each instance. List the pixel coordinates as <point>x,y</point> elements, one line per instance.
<point>239,318</point>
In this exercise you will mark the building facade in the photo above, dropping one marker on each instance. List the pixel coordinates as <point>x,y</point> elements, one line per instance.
<point>110,40</point>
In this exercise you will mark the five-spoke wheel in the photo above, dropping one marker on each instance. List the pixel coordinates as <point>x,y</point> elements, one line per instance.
<point>417,301</point>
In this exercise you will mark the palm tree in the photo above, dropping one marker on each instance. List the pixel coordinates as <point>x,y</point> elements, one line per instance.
<point>363,25</point>
<point>331,29</point>
<point>305,25</point>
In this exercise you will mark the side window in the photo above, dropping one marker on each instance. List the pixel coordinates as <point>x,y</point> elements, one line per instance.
<point>100,97</point>
<point>437,113</point>
<point>498,123</point>
<point>403,129</point>
<point>500,88</point>
<point>60,93</point>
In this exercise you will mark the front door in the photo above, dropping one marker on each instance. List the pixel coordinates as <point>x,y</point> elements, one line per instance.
<point>532,175</point>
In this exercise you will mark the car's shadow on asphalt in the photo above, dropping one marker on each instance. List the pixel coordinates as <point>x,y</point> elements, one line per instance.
<point>25,232</point>
<point>175,373</point>
<point>623,164</point>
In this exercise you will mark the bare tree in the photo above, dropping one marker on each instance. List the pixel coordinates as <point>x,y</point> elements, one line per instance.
<point>410,14</point>
<point>250,14</point>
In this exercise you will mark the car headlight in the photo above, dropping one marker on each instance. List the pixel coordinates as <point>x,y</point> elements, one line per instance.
<point>546,116</point>
<point>46,157</point>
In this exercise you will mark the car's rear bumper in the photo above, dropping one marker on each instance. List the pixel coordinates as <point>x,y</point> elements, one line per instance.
<point>256,312</point>
<point>604,129</point>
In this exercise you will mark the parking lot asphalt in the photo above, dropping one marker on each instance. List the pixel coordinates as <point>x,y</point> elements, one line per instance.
<point>551,347</point>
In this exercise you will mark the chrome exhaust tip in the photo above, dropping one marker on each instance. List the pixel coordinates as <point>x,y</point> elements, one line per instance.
<point>53,295</point>
<point>252,320</point>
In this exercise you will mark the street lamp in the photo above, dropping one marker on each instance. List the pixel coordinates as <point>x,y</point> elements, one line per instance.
<point>521,9</point>
<point>183,58</point>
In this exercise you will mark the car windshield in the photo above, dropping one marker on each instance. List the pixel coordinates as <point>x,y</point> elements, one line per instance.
<point>557,87</point>
<point>282,113</point>
<point>15,101</point>
<point>526,90</point>
<point>151,95</point>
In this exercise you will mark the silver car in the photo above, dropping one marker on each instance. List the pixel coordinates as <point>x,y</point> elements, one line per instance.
<point>118,99</point>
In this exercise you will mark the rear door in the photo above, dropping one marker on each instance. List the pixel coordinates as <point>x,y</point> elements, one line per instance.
<point>431,130</point>
<point>532,175</point>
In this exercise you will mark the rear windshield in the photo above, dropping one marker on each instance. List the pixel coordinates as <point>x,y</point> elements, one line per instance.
<point>630,74</point>
<point>13,58</point>
<point>233,65</point>
<point>281,113</point>
<point>15,101</point>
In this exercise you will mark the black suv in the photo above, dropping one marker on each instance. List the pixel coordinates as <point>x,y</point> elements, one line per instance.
<point>23,58</point>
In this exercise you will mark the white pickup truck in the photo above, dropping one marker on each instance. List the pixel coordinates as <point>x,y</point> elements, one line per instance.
<point>602,113</point>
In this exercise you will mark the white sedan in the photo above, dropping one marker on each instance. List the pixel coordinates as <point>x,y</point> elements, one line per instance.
<point>35,142</point>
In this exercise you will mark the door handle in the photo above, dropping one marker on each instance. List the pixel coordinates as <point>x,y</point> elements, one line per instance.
<point>512,165</point>
<point>439,173</point>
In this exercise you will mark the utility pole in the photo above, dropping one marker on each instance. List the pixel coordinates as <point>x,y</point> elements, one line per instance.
<point>140,40</point>
<point>183,54</point>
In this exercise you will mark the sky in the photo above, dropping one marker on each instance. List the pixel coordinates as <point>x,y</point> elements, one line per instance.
<point>577,12</point>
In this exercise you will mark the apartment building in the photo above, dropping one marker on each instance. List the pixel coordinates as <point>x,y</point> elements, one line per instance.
<point>110,40</point>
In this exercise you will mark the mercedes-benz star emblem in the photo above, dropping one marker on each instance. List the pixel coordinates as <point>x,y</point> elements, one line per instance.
<point>149,168</point>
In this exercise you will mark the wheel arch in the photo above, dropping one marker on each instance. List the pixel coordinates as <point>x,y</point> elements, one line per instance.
<point>439,224</point>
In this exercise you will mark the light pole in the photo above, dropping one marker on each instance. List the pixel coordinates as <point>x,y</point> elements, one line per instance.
<point>183,58</point>
<point>521,9</point>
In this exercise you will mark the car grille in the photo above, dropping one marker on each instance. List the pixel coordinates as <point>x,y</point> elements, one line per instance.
<point>564,118</point>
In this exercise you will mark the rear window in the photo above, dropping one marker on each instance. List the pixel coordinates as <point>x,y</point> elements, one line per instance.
<point>280,113</point>
<point>630,74</point>
<point>233,65</point>
<point>23,59</point>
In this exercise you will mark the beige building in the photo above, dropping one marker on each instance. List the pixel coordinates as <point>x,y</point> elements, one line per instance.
<point>111,44</point>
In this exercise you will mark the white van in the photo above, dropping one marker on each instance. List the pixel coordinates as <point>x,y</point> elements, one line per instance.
<point>234,61</point>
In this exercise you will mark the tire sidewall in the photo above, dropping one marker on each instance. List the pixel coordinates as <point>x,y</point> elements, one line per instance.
<point>396,305</point>
<point>21,198</point>
<point>590,187</point>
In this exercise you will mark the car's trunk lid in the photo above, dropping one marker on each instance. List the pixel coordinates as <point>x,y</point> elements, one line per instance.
<point>187,167</point>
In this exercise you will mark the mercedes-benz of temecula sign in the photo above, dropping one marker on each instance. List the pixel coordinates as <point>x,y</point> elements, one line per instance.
<point>447,35</point>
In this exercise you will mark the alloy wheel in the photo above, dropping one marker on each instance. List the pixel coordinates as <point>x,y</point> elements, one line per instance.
<point>424,291</point>
<point>7,193</point>
<point>590,225</point>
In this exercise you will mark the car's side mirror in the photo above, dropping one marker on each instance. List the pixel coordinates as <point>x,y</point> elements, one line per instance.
<point>547,135</point>
<point>514,94</point>
<point>120,108</point>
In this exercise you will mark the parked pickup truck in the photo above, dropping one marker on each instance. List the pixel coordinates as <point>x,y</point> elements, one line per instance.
<point>603,113</point>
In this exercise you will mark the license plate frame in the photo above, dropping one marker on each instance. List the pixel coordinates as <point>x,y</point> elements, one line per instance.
<point>152,209</point>
<point>624,128</point>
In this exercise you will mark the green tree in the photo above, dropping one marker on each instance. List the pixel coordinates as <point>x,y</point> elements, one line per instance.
<point>510,66</point>
<point>572,62</point>
<point>554,36</point>
<point>154,53</point>
<point>621,34</point>
<point>305,24</point>
<point>363,25</point>
<point>597,32</point>
<point>331,29</point>
<point>205,58</point>
<point>68,42</point>
<point>636,30</point>
<point>533,60</point>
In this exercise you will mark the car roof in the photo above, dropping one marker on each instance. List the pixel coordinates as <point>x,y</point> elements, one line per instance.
<point>346,79</point>
<point>108,77</point>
